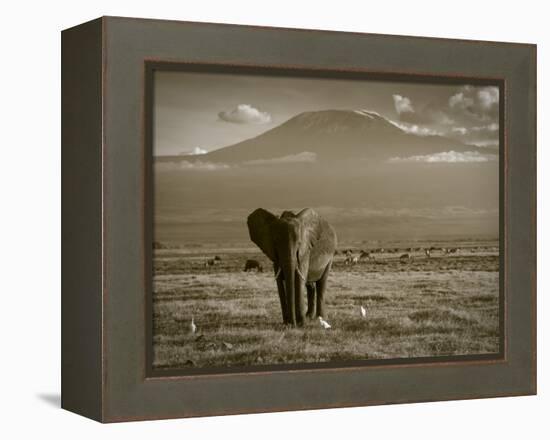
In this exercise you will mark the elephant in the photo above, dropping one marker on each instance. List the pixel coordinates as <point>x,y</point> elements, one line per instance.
<point>253,264</point>
<point>301,247</point>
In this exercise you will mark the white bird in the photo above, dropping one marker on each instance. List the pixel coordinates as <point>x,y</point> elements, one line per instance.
<point>323,323</point>
<point>363,312</point>
<point>192,326</point>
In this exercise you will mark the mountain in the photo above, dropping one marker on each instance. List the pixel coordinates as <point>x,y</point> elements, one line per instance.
<point>206,197</point>
<point>335,135</point>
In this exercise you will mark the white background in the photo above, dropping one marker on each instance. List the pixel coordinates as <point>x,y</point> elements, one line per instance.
<point>30,218</point>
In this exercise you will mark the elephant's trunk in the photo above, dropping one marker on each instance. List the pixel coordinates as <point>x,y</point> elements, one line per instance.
<point>288,270</point>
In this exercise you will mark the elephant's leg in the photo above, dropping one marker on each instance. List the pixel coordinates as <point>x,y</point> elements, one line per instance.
<point>289,282</point>
<point>282,298</point>
<point>298,299</point>
<point>321,286</point>
<point>310,300</point>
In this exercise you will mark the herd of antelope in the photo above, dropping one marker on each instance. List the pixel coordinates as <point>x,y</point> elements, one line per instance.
<point>354,257</point>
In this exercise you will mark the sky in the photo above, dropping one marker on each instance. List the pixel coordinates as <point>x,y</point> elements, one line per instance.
<point>196,113</point>
<point>448,193</point>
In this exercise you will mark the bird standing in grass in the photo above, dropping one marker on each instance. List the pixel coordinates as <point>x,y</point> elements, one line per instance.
<point>192,326</point>
<point>323,323</point>
<point>363,312</point>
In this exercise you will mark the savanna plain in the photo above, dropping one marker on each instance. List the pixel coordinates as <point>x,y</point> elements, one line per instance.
<point>442,304</point>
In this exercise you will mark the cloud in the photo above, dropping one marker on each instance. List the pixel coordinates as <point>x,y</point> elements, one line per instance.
<point>426,115</point>
<point>461,100</point>
<point>303,157</point>
<point>205,166</point>
<point>416,129</point>
<point>195,151</point>
<point>490,128</point>
<point>486,144</point>
<point>468,114</point>
<point>188,165</point>
<point>479,103</point>
<point>402,104</point>
<point>449,157</point>
<point>460,130</point>
<point>488,97</point>
<point>245,114</point>
<point>479,135</point>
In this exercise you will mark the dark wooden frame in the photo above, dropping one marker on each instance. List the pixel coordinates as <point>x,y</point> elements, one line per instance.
<point>106,238</point>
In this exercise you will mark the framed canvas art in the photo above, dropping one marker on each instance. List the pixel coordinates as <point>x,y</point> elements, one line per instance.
<point>322,219</point>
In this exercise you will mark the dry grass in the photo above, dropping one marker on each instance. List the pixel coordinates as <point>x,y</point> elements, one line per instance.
<point>446,305</point>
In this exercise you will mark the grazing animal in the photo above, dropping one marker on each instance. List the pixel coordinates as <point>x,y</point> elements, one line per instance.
<point>253,264</point>
<point>452,251</point>
<point>301,247</point>
<point>324,324</point>
<point>364,254</point>
<point>363,312</point>
<point>367,255</point>
<point>217,258</point>
<point>210,262</point>
<point>192,326</point>
<point>405,257</point>
<point>427,252</point>
<point>352,260</point>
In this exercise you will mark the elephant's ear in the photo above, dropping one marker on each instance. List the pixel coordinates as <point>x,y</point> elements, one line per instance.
<point>260,227</point>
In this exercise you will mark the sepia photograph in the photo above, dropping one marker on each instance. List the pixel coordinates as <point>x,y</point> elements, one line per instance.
<point>314,220</point>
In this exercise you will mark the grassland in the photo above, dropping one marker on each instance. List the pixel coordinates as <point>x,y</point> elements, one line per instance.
<point>443,305</point>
